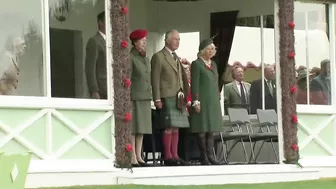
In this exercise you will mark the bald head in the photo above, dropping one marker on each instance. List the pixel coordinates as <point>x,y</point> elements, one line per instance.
<point>172,40</point>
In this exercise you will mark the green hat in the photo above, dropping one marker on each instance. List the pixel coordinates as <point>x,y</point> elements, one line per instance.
<point>302,74</point>
<point>204,44</point>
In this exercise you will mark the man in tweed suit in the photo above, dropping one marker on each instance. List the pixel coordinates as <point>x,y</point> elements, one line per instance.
<point>170,89</point>
<point>95,61</point>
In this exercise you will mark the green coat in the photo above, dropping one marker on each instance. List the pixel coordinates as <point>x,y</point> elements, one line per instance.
<point>204,87</point>
<point>141,93</point>
<point>140,77</point>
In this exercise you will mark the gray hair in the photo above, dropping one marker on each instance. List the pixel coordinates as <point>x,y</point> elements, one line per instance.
<point>268,66</point>
<point>169,34</point>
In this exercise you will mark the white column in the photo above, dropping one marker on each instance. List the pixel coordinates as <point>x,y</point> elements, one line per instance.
<point>332,49</point>
<point>262,62</point>
<point>278,79</point>
<point>46,49</point>
<point>109,60</point>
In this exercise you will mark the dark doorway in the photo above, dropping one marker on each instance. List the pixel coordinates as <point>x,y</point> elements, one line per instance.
<point>223,26</point>
<point>65,57</point>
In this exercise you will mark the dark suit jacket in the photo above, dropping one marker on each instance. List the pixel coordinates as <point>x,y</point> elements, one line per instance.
<point>166,75</point>
<point>256,96</point>
<point>140,77</point>
<point>95,65</point>
<point>320,90</point>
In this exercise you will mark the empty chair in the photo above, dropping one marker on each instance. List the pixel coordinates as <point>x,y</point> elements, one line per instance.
<point>255,131</point>
<point>231,132</point>
<point>269,121</point>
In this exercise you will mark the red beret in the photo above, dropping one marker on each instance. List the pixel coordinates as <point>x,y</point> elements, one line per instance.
<point>138,34</point>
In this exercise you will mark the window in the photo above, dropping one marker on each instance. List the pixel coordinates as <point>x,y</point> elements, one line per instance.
<point>78,49</point>
<point>189,45</point>
<point>22,56</point>
<point>251,68</point>
<point>313,54</point>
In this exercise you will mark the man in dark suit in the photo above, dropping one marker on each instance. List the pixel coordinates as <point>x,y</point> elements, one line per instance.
<point>95,61</point>
<point>320,86</point>
<point>269,91</point>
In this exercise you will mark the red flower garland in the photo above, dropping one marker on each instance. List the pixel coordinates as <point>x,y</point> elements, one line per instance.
<point>294,119</point>
<point>295,147</point>
<point>124,44</point>
<point>291,55</point>
<point>127,82</point>
<point>293,89</point>
<point>127,117</point>
<point>124,10</point>
<point>291,25</point>
<point>129,147</point>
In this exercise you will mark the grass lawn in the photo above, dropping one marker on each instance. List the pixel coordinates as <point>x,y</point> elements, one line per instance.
<point>318,184</point>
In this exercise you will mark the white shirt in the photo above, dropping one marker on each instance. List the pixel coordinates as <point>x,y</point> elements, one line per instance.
<point>170,51</point>
<point>269,82</point>
<point>102,34</point>
<point>238,86</point>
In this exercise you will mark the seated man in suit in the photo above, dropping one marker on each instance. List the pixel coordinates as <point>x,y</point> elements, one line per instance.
<point>269,91</point>
<point>320,87</point>
<point>237,92</point>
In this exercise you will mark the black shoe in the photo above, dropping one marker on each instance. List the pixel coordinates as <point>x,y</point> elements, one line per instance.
<point>170,162</point>
<point>205,162</point>
<point>135,165</point>
<point>144,164</point>
<point>181,162</point>
<point>214,162</point>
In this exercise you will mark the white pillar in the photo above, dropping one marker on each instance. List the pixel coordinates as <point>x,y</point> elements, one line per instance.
<point>278,79</point>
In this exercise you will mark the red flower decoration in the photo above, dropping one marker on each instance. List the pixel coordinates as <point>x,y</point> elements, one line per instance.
<point>127,82</point>
<point>291,24</point>
<point>294,119</point>
<point>295,147</point>
<point>127,117</point>
<point>124,44</point>
<point>293,89</point>
<point>291,55</point>
<point>124,10</point>
<point>129,147</point>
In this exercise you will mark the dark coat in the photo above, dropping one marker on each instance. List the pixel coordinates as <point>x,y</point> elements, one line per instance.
<point>256,96</point>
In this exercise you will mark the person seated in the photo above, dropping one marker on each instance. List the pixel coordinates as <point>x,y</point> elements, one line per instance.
<point>320,88</point>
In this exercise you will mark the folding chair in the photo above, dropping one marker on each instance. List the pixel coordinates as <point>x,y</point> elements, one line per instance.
<point>241,115</point>
<point>231,132</point>
<point>269,121</point>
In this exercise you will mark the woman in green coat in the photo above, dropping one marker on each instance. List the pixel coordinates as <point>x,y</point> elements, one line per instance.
<point>141,94</point>
<point>206,116</point>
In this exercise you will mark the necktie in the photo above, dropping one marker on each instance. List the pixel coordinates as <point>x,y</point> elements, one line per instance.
<point>175,56</point>
<point>270,87</point>
<point>242,93</point>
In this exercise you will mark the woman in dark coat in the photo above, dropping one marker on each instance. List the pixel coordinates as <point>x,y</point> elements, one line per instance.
<point>206,116</point>
<point>141,94</point>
